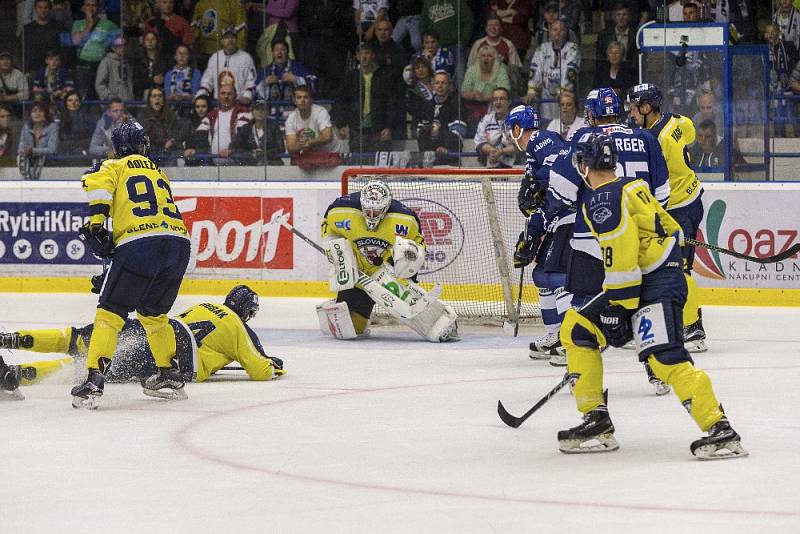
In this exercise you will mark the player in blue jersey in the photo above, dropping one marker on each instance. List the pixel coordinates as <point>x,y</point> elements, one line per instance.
<point>638,156</point>
<point>542,243</point>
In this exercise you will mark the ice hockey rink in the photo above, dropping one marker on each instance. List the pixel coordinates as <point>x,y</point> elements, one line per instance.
<point>394,434</point>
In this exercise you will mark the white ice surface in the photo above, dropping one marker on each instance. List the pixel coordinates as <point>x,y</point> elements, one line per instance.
<point>393,434</point>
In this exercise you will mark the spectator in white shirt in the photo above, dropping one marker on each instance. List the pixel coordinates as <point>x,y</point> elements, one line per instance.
<point>491,142</point>
<point>229,66</point>
<point>568,121</point>
<point>309,126</point>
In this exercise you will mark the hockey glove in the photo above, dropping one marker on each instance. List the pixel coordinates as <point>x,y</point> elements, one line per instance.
<point>277,366</point>
<point>8,379</point>
<point>98,239</point>
<point>615,321</point>
<point>97,282</point>
<point>526,248</point>
<point>530,197</point>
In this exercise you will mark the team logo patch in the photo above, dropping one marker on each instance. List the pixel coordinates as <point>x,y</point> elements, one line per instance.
<point>401,229</point>
<point>344,225</point>
<point>601,215</point>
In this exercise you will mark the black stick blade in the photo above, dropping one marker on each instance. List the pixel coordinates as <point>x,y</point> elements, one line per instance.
<point>506,417</point>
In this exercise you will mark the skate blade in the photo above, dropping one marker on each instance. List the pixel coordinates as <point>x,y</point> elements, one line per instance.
<point>15,395</point>
<point>696,346</point>
<point>558,361</point>
<point>662,389</point>
<point>89,403</point>
<point>536,355</point>
<point>724,451</point>
<point>601,443</point>
<point>166,393</point>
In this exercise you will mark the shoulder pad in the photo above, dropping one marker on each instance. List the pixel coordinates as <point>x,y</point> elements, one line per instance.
<point>398,207</point>
<point>353,200</point>
<point>94,168</point>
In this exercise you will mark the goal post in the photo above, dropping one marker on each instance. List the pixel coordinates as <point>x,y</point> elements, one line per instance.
<point>471,222</point>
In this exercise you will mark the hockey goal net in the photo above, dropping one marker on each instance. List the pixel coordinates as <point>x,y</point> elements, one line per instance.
<point>471,222</point>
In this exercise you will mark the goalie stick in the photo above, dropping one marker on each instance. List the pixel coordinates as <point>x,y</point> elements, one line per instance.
<point>785,255</point>
<point>514,422</point>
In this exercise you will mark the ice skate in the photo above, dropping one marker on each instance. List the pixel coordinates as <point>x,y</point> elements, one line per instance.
<point>694,337</point>
<point>722,442</point>
<point>558,357</point>
<point>167,383</point>
<point>12,340</point>
<point>661,387</point>
<point>87,395</point>
<point>544,346</point>
<point>9,383</point>
<point>594,434</point>
<point>451,334</point>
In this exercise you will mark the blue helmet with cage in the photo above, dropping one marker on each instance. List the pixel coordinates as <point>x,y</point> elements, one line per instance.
<point>243,301</point>
<point>603,102</point>
<point>646,93</point>
<point>525,116</point>
<point>596,151</point>
<point>130,138</point>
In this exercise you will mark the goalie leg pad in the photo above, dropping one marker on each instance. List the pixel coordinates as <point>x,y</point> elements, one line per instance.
<point>344,269</point>
<point>436,322</point>
<point>335,320</point>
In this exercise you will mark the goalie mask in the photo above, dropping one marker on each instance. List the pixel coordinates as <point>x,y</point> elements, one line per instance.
<point>243,301</point>
<point>375,200</point>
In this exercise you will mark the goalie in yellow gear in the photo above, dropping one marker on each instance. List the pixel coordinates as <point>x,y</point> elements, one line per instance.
<point>370,233</point>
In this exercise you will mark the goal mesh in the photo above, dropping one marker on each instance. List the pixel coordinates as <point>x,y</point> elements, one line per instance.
<point>471,222</point>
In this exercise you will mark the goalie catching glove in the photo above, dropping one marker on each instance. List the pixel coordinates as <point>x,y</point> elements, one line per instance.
<point>98,239</point>
<point>408,257</point>
<point>615,321</point>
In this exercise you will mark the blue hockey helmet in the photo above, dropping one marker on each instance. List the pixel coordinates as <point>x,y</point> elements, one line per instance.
<point>595,150</point>
<point>525,116</point>
<point>130,138</point>
<point>603,102</point>
<point>243,301</point>
<point>646,93</point>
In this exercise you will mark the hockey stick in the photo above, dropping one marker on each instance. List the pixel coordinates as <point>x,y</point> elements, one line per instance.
<point>513,421</point>
<point>519,299</point>
<point>786,254</point>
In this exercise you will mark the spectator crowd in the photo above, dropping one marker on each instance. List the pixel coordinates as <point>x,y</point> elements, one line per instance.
<point>218,82</point>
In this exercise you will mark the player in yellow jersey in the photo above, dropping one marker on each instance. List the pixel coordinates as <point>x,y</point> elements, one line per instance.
<point>208,337</point>
<point>643,295</point>
<point>675,133</point>
<point>149,251</point>
<point>371,233</point>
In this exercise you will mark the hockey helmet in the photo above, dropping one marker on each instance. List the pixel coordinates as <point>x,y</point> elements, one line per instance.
<point>602,102</point>
<point>526,117</point>
<point>645,93</point>
<point>130,138</point>
<point>595,150</point>
<point>243,301</point>
<point>375,200</point>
